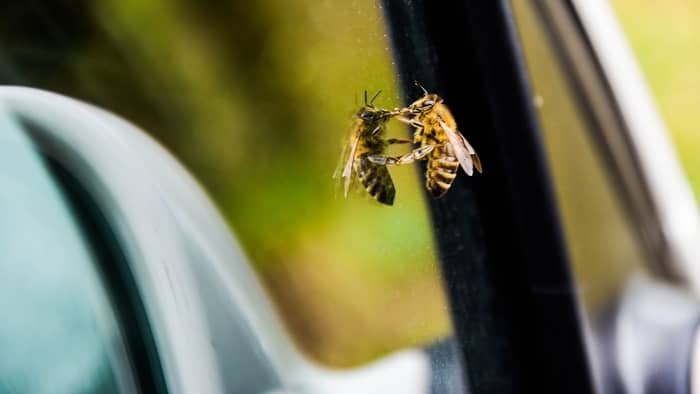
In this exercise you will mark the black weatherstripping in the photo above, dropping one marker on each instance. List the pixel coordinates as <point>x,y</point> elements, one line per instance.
<point>509,282</point>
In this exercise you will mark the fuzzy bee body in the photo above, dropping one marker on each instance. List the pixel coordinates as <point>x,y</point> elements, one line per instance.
<point>436,127</point>
<point>366,139</point>
<point>436,134</point>
<point>375,178</point>
<point>442,170</point>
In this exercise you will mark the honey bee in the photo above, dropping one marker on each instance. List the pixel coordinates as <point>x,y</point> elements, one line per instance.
<point>366,139</point>
<point>440,141</point>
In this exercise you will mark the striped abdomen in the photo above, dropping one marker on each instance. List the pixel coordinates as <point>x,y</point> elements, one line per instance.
<point>376,180</point>
<point>442,170</point>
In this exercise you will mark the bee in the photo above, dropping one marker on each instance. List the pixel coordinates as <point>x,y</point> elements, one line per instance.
<point>366,139</point>
<point>440,142</point>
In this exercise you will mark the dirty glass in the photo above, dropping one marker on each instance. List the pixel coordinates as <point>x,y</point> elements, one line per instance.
<point>256,99</point>
<point>602,245</point>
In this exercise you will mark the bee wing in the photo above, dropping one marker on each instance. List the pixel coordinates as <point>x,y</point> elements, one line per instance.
<point>461,147</point>
<point>472,152</point>
<point>346,162</point>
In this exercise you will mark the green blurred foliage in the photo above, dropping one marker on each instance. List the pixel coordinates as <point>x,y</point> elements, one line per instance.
<point>665,36</point>
<point>256,98</point>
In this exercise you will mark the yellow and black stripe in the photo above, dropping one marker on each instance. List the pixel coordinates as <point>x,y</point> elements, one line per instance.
<point>442,171</point>
<point>376,180</point>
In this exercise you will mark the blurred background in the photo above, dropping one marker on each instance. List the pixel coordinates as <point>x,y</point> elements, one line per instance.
<point>257,98</point>
<point>665,37</point>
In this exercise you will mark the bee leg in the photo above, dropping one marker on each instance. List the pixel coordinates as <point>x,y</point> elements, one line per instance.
<point>421,152</point>
<point>418,133</point>
<point>410,157</point>
<point>398,141</point>
<point>379,159</point>
<point>411,122</point>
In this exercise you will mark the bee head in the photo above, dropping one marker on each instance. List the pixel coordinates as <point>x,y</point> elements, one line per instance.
<point>425,103</point>
<point>369,113</point>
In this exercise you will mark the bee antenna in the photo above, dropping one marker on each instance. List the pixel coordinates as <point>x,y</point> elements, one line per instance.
<point>375,96</point>
<point>421,87</point>
<point>366,97</point>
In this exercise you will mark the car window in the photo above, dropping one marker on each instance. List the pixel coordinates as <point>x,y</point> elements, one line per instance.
<point>602,243</point>
<point>59,331</point>
<point>257,99</point>
<point>606,247</point>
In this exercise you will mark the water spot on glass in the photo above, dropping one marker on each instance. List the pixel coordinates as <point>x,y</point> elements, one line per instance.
<point>538,101</point>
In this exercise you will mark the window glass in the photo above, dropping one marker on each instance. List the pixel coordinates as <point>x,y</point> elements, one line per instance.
<point>602,245</point>
<point>58,331</point>
<point>257,98</point>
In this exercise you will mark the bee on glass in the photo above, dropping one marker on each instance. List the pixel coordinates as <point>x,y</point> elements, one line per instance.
<point>366,139</point>
<point>440,141</point>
